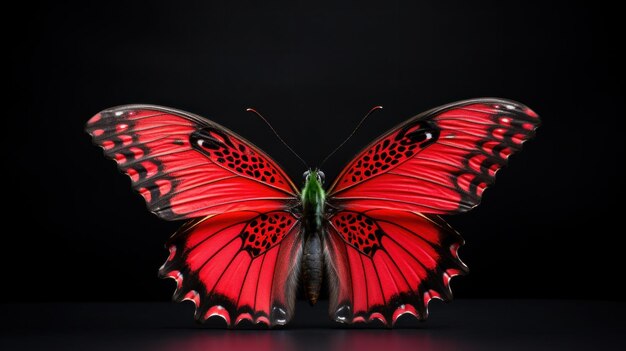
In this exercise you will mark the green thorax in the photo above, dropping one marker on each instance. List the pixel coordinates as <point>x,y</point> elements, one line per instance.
<point>313,199</point>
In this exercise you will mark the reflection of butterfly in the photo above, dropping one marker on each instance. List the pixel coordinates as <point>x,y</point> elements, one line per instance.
<point>253,234</point>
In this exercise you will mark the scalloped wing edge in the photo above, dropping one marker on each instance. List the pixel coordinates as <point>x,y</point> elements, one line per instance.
<point>223,306</point>
<point>202,315</point>
<point>442,278</point>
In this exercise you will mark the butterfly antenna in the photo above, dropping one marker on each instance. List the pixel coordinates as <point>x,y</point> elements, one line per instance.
<point>351,134</point>
<point>277,135</point>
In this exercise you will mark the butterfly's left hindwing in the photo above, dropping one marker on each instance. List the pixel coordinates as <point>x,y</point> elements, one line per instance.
<point>238,265</point>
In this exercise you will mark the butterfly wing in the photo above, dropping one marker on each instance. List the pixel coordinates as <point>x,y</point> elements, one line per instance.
<point>239,259</point>
<point>186,166</point>
<point>389,254</point>
<point>385,263</point>
<point>437,162</point>
<point>239,265</point>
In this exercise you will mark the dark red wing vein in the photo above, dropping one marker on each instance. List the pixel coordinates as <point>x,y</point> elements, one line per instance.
<point>265,268</point>
<point>392,200</point>
<point>212,181</point>
<point>192,166</point>
<point>380,284</point>
<point>209,292</point>
<point>421,238</point>
<point>393,208</point>
<point>453,166</point>
<point>137,143</point>
<point>217,251</point>
<point>242,285</point>
<point>215,233</point>
<point>140,129</point>
<point>421,179</point>
<point>467,132</point>
<point>399,271</point>
<point>449,164</point>
<point>464,120</point>
<point>386,263</point>
<point>167,197</point>
<point>256,290</point>
<point>367,298</point>
<point>152,157</point>
<point>478,133</point>
<point>456,146</point>
<point>232,202</point>
<point>410,253</point>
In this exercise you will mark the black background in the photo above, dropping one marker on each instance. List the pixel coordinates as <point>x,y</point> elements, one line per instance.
<point>550,228</point>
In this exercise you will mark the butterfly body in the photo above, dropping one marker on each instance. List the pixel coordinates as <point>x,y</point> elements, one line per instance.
<point>375,233</point>
<point>313,207</point>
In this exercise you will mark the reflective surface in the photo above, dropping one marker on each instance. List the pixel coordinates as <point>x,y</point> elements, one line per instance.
<point>464,324</point>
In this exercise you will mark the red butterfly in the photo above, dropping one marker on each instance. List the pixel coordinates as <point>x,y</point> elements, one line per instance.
<point>252,234</point>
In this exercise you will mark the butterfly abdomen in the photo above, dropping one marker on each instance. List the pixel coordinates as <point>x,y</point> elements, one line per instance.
<point>313,199</point>
<point>313,264</point>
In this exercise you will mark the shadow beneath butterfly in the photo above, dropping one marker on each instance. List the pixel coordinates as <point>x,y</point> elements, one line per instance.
<point>311,330</point>
<point>305,339</point>
<point>463,325</point>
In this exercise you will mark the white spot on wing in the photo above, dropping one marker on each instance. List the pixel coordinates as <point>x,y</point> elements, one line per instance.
<point>281,320</point>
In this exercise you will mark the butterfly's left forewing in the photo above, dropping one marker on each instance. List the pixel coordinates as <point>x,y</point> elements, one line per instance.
<point>186,166</point>
<point>238,256</point>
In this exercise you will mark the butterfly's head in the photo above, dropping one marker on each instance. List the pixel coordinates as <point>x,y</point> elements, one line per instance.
<point>314,174</point>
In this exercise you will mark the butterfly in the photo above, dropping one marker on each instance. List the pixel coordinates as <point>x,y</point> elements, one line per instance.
<point>252,235</point>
